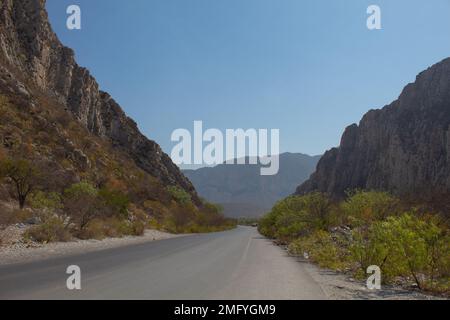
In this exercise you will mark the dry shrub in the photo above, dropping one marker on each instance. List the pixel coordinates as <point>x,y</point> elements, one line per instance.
<point>94,230</point>
<point>52,230</point>
<point>111,228</point>
<point>10,216</point>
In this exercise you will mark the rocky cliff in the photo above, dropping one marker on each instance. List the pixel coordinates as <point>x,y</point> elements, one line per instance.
<point>403,148</point>
<point>30,50</point>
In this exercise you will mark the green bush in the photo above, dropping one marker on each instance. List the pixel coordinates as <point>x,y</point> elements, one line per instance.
<point>179,195</point>
<point>321,249</point>
<point>8,216</point>
<point>52,230</point>
<point>362,207</point>
<point>297,216</point>
<point>80,189</point>
<point>405,245</point>
<point>137,228</point>
<point>81,204</point>
<point>114,202</point>
<point>23,174</point>
<point>46,201</point>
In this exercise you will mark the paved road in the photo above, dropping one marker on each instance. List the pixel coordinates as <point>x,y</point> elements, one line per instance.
<point>238,264</point>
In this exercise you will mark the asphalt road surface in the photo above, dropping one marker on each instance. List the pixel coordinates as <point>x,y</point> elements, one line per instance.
<point>237,264</point>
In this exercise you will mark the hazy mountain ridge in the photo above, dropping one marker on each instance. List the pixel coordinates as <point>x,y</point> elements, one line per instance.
<point>403,148</point>
<point>243,191</point>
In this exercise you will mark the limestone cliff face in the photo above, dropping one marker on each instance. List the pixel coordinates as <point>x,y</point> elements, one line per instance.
<point>403,148</point>
<point>28,46</point>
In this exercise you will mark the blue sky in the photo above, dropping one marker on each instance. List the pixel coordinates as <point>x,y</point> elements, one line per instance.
<point>308,68</point>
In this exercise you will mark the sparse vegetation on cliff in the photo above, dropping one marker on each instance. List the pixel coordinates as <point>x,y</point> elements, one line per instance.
<point>72,184</point>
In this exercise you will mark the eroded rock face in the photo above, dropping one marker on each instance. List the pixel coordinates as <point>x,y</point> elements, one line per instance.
<point>403,148</point>
<point>29,46</point>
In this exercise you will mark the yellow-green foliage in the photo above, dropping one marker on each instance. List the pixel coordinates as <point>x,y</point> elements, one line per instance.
<point>405,246</point>
<point>23,175</point>
<point>41,200</point>
<point>186,218</point>
<point>297,216</point>
<point>400,240</point>
<point>321,249</point>
<point>179,195</point>
<point>366,206</point>
<point>111,228</point>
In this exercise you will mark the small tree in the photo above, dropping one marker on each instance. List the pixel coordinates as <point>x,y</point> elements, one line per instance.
<point>180,195</point>
<point>81,204</point>
<point>114,203</point>
<point>23,174</point>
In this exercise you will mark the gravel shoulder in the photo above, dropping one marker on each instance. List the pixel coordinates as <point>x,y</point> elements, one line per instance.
<point>13,249</point>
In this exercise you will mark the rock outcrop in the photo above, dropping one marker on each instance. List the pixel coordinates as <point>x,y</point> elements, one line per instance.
<point>30,48</point>
<point>403,148</point>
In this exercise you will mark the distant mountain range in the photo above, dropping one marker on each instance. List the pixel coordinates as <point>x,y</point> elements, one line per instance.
<point>243,192</point>
<point>403,148</point>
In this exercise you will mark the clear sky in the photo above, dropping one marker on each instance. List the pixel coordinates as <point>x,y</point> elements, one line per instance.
<point>308,68</point>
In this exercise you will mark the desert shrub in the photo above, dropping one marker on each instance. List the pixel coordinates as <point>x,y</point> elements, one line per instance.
<point>113,202</point>
<point>118,227</point>
<point>81,204</point>
<point>248,221</point>
<point>287,220</point>
<point>52,230</point>
<point>368,228</point>
<point>321,249</point>
<point>137,228</point>
<point>179,195</point>
<point>112,227</point>
<point>188,218</point>
<point>267,225</point>
<point>416,247</point>
<point>297,216</point>
<point>369,249</point>
<point>178,218</point>
<point>6,215</point>
<point>362,207</point>
<point>24,176</point>
<point>404,245</point>
<point>156,209</point>
<point>139,220</point>
<point>11,216</point>
<point>81,189</point>
<point>95,229</point>
<point>51,201</point>
<point>211,208</point>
